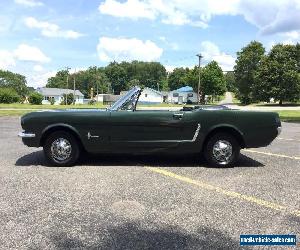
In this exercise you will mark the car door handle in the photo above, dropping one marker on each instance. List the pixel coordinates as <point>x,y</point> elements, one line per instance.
<point>178,116</point>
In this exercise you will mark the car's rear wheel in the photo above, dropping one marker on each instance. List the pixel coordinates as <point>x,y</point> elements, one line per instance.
<point>222,150</point>
<point>61,149</point>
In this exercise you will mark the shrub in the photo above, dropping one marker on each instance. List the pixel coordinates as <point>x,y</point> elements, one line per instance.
<point>70,99</point>
<point>35,98</point>
<point>92,102</point>
<point>52,101</point>
<point>8,95</point>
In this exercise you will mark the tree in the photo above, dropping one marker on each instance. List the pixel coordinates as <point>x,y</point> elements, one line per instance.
<point>69,98</point>
<point>35,98</point>
<point>14,81</point>
<point>8,95</point>
<point>117,77</point>
<point>247,63</point>
<point>149,74</point>
<point>278,76</point>
<point>191,78</point>
<point>212,80</point>
<point>177,78</point>
<point>59,80</point>
<point>230,82</point>
<point>132,83</point>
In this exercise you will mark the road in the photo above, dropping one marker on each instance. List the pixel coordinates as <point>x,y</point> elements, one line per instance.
<point>153,202</point>
<point>228,99</point>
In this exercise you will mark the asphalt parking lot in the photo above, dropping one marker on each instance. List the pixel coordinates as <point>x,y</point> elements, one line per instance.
<point>146,202</point>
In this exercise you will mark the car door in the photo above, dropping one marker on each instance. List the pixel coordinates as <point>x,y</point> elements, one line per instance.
<point>146,130</point>
<point>93,127</point>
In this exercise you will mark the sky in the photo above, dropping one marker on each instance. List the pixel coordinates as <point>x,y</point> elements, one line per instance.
<point>40,37</point>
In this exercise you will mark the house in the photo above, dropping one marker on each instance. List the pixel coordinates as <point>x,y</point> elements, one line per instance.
<point>149,96</point>
<point>106,98</point>
<point>56,94</point>
<point>182,95</point>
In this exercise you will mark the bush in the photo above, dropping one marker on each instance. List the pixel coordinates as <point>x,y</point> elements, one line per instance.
<point>35,98</point>
<point>8,95</point>
<point>52,101</point>
<point>92,102</point>
<point>70,99</point>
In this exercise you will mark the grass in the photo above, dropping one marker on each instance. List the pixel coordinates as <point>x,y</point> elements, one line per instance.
<point>46,106</point>
<point>285,115</point>
<point>289,115</point>
<point>13,112</point>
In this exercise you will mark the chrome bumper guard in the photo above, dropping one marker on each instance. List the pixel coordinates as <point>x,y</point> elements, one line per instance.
<point>279,130</point>
<point>26,135</point>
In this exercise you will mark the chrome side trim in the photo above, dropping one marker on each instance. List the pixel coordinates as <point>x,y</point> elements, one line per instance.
<point>196,132</point>
<point>26,135</point>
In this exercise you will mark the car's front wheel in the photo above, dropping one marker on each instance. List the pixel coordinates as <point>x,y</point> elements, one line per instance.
<point>222,150</point>
<point>61,149</point>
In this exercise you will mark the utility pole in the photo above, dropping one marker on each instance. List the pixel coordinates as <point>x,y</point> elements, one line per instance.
<point>66,101</point>
<point>199,83</point>
<point>96,77</point>
<point>74,90</point>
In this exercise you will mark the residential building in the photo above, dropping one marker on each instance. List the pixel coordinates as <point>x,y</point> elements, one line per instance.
<point>106,98</point>
<point>182,95</point>
<point>56,94</point>
<point>151,96</point>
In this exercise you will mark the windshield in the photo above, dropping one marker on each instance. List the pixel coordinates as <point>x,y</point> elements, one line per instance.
<point>127,101</point>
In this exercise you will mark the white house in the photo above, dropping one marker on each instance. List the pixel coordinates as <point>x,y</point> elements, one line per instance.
<point>106,98</point>
<point>57,95</point>
<point>151,96</point>
<point>182,95</point>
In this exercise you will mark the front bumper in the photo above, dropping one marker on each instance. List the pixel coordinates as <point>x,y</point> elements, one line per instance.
<point>279,129</point>
<point>26,135</point>
<point>30,139</point>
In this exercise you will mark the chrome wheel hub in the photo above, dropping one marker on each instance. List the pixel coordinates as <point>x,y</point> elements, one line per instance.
<point>61,149</point>
<point>222,151</point>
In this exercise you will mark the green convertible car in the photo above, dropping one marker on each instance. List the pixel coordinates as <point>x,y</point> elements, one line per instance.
<point>216,131</point>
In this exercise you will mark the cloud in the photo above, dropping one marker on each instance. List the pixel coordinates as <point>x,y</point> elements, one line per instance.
<point>26,52</point>
<point>133,9</point>
<point>50,29</point>
<point>269,16</point>
<point>136,9</point>
<point>6,59</point>
<point>291,37</point>
<point>172,45</point>
<point>127,49</point>
<point>29,3</point>
<point>211,51</point>
<point>38,68</point>
<point>39,79</point>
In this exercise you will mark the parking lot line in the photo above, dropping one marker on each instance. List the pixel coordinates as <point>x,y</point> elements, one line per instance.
<point>272,154</point>
<point>287,139</point>
<point>233,194</point>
